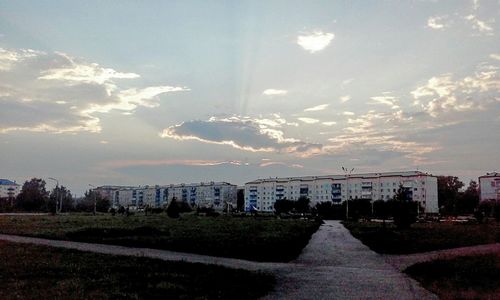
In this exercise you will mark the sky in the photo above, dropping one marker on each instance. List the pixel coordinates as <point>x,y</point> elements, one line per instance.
<point>160,92</point>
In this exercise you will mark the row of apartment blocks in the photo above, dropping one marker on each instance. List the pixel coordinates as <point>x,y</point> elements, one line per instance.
<point>261,194</point>
<point>211,194</point>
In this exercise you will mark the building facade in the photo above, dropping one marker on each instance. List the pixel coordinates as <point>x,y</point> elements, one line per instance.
<point>211,194</point>
<point>261,194</point>
<point>9,189</point>
<point>489,186</point>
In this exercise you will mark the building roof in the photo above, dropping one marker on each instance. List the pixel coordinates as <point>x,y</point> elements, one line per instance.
<point>7,182</point>
<point>492,174</point>
<point>362,175</point>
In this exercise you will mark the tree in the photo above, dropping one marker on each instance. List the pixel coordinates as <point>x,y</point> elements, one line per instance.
<point>468,200</point>
<point>87,202</point>
<point>448,187</point>
<point>33,196</point>
<point>302,204</point>
<point>173,209</point>
<point>283,206</point>
<point>57,194</point>
<point>404,210</point>
<point>240,200</point>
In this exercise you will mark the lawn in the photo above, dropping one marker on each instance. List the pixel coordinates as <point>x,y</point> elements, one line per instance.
<point>469,277</point>
<point>33,272</point>
<point>261,239</point>
<point>422,237</point>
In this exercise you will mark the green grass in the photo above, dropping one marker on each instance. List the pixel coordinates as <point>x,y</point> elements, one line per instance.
<point>263,239</point>
<point>423,237</point>
<point>34,272</point>
<point>469,277</point>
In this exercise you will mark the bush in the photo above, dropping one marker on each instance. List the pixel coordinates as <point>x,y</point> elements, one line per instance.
<point>283,206</point>
<point>404,213</point>
<point>173,210</point>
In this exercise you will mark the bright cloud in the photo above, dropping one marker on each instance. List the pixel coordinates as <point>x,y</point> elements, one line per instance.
<point>315,41</point>
<point>317,108</point>
<point>385,99</point>
<point>308,120</point>
<point>479,25</point>
<point>330,123</point>
<point>348,113</point>
<point>437,22</point>
<point>274,92</point>
<point>244,133</point>
<point>443,94</point>
<point>345,98</point>
<point>54,92</point>
<point>495,56</point>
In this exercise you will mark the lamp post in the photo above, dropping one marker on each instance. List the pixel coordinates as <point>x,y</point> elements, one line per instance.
<point>347,174</point>
<point>58,197</point>
<point>95,200</point>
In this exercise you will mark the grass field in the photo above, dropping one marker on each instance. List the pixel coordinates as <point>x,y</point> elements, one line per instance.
<point>34,272</point>
<point>423,237</point>
<point>469,277</point>
<point>265,239</point>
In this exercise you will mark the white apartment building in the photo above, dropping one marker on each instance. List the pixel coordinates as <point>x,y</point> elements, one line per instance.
<point>489,186</point>
<point>9,189</point>
<point>261,194</point>
<point>213,194</point>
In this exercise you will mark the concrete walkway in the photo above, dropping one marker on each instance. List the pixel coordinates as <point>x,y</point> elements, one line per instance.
<point>334,265</point>
<point>402,262</point>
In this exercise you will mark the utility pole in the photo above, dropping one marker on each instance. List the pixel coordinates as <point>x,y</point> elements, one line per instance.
<point>347,174</point>
<point>58,196</point>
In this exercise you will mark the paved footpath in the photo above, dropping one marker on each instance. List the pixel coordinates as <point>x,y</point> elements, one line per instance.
<point>334,265</point>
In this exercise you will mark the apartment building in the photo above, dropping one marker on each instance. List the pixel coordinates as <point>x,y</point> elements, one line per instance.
<point>213,194</point>
<point>9,189</point>
<point>489,186</point>
<point>261,194</point>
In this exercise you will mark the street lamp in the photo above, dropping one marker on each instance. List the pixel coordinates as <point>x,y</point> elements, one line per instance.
<point>347,174</point>
<point>58,197</point>
<point>95,200</point>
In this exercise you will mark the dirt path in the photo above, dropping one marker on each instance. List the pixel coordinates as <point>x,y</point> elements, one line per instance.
<point>402,262</point>
<point>334,265</point>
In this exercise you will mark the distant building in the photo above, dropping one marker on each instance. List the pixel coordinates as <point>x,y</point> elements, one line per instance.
<point>261,194</point>
<point>9,189</point>
<point>489,186</point>
<point>211,194</point>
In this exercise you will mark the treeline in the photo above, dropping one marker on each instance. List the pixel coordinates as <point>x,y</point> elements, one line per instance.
<point>34,197</point>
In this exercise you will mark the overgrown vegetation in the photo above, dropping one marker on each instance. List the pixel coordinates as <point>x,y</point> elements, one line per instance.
<point>422,237</point>
<point>469,277</point>
<point>260,239</point>
<point>31,272</point>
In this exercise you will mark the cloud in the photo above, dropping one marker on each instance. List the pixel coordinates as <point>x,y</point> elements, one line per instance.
<point>330,123</point>
<point>386,99</point>
<point>495,56</point>
<point>308,120</point>
<point>317,108</point>
<point>444,94</point>
<point>345,98</point>
<point>378,134</point>
<point>348,113</point>
<point>55,92</point>
<point>168,162</point>
<point>244,133</point>
<point>274,92</point>
<point>315,41</point>
<point>479,25</point>
<point>438,22</point>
